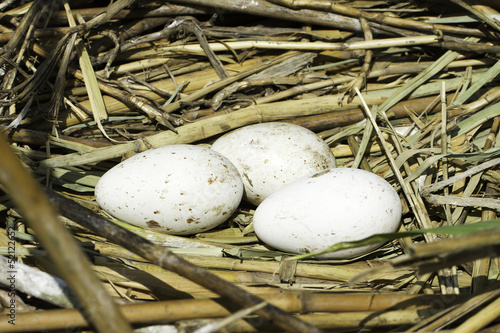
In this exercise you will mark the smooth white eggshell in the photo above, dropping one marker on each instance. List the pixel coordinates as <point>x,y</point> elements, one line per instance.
<point>176,189</point>
<point>271,155</point>
<point>328,207</point>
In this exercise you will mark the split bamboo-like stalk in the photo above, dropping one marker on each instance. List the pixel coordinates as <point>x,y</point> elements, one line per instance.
<point>335,273</point>
<point>194,82</point>
<point>165,311</point>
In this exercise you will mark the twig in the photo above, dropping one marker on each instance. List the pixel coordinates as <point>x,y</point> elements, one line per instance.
<point>491,22</point>
<point>360,80</point>
<point>110,11</point>
<point>426,190</point>
<point>191,25</point>
<point>377,17</point>
<point>20,33</point>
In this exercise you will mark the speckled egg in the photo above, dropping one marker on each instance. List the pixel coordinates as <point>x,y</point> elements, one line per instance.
<point>176,189</point>
<point>328,207</point>
<point>271,155</point>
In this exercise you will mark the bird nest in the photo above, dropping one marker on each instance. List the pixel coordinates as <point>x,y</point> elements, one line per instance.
<point>404,89</point>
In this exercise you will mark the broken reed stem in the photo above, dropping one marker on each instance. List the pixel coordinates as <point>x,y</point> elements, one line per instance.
<point>73,265</point>
<point>451,284</point>
<point>216,124</point>
<point>298,46</point>
<point>225,82</point>
<point>375,17</point>
<point>168,260</point>
<point>481,268</point>
<point>89,78</point>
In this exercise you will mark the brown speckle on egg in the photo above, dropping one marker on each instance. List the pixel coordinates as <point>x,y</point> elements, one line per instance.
<point>153,224</point>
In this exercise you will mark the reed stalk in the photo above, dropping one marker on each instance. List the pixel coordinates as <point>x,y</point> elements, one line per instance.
<point>362,305</point>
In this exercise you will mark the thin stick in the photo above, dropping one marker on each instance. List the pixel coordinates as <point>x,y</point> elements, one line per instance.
<point>89,78</point>
<point>481,319</point>
<point>427,189</point>
<point>328,13</point>
<point>304,46</point>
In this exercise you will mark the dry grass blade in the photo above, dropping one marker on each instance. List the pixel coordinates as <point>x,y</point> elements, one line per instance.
<point>89,78</point>
<point>422,77</point>
<point>408,193</point>
<point>492,72</point>
<point>478,14</point>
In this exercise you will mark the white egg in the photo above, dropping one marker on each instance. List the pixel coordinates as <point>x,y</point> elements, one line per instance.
<point>271,155</point>
<point>176,189</point>
<point>328,207</point>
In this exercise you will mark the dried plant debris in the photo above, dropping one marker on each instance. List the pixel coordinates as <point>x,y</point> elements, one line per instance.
<point>407,90</point>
